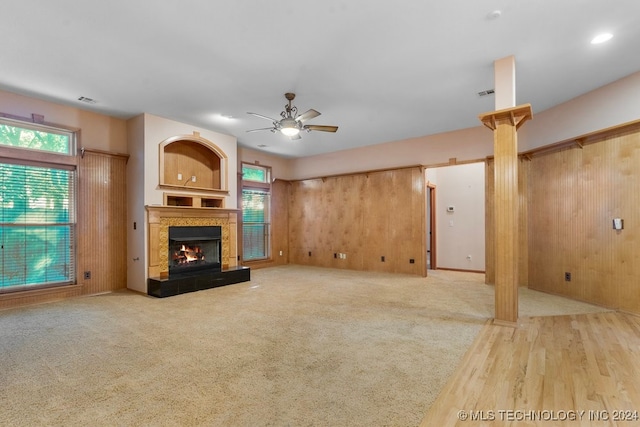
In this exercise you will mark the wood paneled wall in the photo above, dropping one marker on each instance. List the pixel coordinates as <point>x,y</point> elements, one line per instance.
<point>280,222</point>
<point>102,219</point>
<point>365,216</point>
<point>189,158</point>
<point>100,232</point>
<point>574,196</point>
<point>523,247</point>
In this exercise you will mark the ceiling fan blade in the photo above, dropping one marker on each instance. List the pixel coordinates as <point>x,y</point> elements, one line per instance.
<point>309,114</point>
<point>256,130</point>
<point>321,128</point>
<point>262,117</point>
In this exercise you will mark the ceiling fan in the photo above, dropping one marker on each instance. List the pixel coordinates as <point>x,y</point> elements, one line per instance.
<point>291,123</point>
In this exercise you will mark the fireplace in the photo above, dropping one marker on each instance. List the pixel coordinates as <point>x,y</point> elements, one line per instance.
<point>209,258</point>
<point>194,248</point>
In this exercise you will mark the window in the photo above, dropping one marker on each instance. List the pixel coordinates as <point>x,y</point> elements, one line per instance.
<point>256,212</point>
<point>37,210</point>
<point>34,137</point>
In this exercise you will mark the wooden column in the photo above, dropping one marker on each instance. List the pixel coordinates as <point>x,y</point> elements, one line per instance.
<point>505,124</point>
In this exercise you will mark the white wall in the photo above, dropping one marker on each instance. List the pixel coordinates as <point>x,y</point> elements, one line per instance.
<point>136,238</point>
<point>145,134</point>
<point>280,166</point>
<point>460,233</point>
<point>608,106</point>
<point>464,144</point>
<point>158,129</point>
<point>97,131</point>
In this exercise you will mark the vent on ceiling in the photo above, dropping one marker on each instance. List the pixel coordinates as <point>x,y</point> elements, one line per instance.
<point>262,145</point>
<point>87,100</point>
<point>487,92</point>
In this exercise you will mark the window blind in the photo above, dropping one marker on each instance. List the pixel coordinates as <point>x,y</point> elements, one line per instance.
<point>255,224</point>
<point>37,217</point>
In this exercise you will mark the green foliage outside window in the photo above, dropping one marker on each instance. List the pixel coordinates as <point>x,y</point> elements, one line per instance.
<point>254,173</point>
<point>34,139</point>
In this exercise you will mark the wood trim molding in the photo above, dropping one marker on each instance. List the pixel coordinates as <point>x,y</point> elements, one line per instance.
<point>367,172</point>
<point>462,270</point>
<point>83,150</point>
<point>39,120</point>
<point>515,116</point>
<point>582,140</point>
<point>36,296</point>
<point>12,154</point>
<point>457,163</point>
<point>192,189</point>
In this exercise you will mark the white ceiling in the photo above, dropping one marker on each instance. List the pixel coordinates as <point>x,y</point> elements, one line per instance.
<point>380,70</point>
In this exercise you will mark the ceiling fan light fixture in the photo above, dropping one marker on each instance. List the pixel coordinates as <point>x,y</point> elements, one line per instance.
<point>293,123</point>
<point>601,38</point>
<point>289,127</point>
<point>290,131</point>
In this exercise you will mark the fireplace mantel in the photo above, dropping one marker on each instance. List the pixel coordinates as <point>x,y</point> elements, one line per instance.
<point>160,218</point>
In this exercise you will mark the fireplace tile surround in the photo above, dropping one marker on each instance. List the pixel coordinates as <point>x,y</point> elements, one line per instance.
<point>160,218</point>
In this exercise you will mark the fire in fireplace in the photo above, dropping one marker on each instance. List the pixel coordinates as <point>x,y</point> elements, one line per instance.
<point>193,248</point>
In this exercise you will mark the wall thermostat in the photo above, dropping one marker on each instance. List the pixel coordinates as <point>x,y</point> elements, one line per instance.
<point>450,208</point>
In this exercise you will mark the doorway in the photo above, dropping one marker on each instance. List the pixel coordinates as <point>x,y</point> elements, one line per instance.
<point>431,227</point>
<point>455,217</point>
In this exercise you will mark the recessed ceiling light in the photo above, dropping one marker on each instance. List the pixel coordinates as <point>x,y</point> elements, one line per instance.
<point>494,15</point>
<point>601,38</point>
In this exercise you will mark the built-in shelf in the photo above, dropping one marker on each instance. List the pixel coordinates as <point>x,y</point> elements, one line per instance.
<point>193,201</point>
<point>193,163</point>
<point>211,202</point>
<point>194,188</point>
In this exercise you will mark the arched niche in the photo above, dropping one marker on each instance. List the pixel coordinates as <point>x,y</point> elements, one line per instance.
<point>184,157</point>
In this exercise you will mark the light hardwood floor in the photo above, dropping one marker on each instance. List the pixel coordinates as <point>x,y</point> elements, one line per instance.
<point>574,370</point>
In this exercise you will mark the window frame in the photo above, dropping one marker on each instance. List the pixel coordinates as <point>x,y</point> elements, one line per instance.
<point>261,186</point>
<point>30,157</point>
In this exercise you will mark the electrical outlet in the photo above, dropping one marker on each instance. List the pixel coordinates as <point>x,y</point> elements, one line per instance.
<point>179,177</point>
<point>193,178</point>
<point>412,261</point>
<point>280,253</point>
<point>87,275</point>
<point>567,277</point>
<point>382,258</point>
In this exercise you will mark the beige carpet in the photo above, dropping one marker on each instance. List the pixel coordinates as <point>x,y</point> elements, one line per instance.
<point>296,346</point>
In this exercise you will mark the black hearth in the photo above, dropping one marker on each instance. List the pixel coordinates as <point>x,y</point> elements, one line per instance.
<point>194,248</point>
